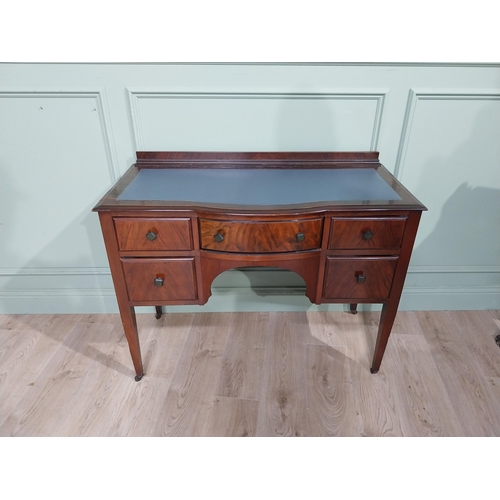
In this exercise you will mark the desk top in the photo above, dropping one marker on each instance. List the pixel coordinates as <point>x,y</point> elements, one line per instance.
<point>246,186</point>
<point>259,181</point>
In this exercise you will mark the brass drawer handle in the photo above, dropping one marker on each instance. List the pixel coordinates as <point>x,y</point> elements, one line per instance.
<point>300,236</point>
<point>151,236</point>
<point>367,235</point>
<point>361,278</point>
<point>218,238</point>
<point>158,281</point>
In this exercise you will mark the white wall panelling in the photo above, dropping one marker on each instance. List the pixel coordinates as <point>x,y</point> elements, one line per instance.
<point>68,131</point>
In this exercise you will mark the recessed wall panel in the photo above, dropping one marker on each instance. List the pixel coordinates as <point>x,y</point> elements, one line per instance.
<point>251,122</point>
<point>451,161</point>
<point>54,163</point>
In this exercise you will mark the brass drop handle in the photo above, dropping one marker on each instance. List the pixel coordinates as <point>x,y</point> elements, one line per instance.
<point>367,235</point>
<point>300,236</point>
<point>158,282</point>
<point>151,236</point>
<point>218,238</point>
<point>361,278</point>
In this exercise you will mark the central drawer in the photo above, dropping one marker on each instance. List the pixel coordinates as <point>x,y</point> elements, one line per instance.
<point>261,236</point>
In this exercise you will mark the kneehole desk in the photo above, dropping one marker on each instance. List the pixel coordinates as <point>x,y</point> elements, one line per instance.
<point>176,220</point>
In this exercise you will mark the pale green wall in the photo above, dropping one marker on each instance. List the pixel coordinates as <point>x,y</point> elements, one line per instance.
<point>68,131</point>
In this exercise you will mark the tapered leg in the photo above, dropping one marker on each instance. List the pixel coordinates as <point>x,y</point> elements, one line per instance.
<point>353,308</point>
<point>127,312</point>
<point>390,308</point>
<point>129,323</point>
<point>387,317</point>
<point>159,312</point>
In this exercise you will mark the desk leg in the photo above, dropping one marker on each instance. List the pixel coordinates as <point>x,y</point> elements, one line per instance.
<point>387,317</point>
<point>390,308</point>
<point>353,308</point>
<point>129,323</point>
<point>127,312</point>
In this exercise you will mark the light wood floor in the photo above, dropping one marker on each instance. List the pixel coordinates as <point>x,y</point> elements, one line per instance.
<point>251,374</point>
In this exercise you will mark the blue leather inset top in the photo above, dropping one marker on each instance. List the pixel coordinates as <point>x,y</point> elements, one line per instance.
<point>242,186</point>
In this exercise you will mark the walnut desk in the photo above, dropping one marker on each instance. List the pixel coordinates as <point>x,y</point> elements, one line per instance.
<point>177,220</point>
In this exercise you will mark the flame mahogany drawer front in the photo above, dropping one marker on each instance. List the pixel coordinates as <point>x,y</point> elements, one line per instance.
<point>261,237</point>
<point>142,234</point>
<point>359,277</point>
<point>367,233</point>
<point>161,281</point>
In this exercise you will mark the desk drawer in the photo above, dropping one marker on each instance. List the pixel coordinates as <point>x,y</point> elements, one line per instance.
<point>153,234</point>
<point>367,233</point>
<point>261,237</point>
<point>160,280</point>
<point>359,278</point>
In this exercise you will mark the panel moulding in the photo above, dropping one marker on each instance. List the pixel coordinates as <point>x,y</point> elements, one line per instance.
<point>56,271</point>
<point>135,95</point>
<point>104,271</point>
<point>101,107</point>
<point>453,269</point>
<point>417,95</point>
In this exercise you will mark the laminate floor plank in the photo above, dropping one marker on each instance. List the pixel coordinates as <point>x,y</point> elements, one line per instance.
<point>18,328</point>
<point>100,406</point>
<point>45,409</point>
<point>109,386</point>
<point>355,332</point>
<point>9,321</point>
<point>479,331</point>
<point>105,384</point>
<point>282,408</point>
<point>374,399</point>
<point>354,336</point>
<point>250,374</point>
<point>421,398</point>
<point>406,323</point>
<point>162,348</point>
<point>360,331</point>
<point>16,345</point>
<point>116,398</point>
<point>326,328</point>
<point>233,417</point>
<point>331,408</point>
<point>495,314</point>
<point>471,395</point>
<point>29,362</point>
<point>375,404</point>
<point>104,319</point>
<point>243,356</point>
<point>187,406</point>
<point>494,383</point>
